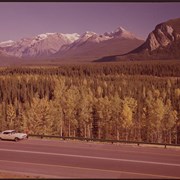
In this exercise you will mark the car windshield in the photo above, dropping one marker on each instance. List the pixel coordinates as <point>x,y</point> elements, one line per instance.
<point>6,132</point>
<point>9,132</point>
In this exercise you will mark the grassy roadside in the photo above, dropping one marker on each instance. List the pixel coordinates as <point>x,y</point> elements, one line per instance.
<point>116,143</point>
<point>12,175</point>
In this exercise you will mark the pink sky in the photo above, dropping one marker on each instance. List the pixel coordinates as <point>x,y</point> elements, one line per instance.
<point>26,19</point>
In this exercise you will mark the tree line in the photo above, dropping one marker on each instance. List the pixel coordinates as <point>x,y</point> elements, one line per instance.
<point>123,101</point>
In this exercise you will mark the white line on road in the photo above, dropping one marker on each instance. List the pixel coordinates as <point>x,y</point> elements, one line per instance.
<point>86,169</point>
<point>92,157</point>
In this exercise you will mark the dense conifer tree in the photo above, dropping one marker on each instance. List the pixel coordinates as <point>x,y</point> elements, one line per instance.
<point>123,101</point>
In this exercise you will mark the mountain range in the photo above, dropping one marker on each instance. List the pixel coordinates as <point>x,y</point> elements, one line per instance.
<point>59,46</point>
<point>42,45</point>
<point>163,43</point>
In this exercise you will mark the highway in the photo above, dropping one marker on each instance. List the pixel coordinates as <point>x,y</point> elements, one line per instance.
<point>73,159</point>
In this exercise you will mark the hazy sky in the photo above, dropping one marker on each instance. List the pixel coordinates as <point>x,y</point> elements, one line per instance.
<point>27,19</point>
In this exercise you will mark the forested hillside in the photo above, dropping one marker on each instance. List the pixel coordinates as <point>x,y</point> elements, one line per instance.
<point>123,101</point>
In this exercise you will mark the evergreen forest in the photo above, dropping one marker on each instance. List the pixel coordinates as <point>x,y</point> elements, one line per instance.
<point>134,101</point>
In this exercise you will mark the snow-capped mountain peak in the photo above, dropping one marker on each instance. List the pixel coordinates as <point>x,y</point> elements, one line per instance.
<point>6,43</point>
<point>42,36</point>
<point>85,36</point>
<point>88,34</point>
<point>42,45</point>
<point>50,33</point>
<point>120,32</point>
<point>120,29</point>
<point>72,37</point>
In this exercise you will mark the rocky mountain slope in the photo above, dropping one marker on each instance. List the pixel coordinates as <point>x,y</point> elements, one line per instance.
<point>162,43</point>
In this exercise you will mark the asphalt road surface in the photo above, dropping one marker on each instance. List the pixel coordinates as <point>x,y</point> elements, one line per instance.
<point>72,159</point>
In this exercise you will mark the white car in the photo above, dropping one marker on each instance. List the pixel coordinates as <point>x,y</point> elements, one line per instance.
<point>12,135</point>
